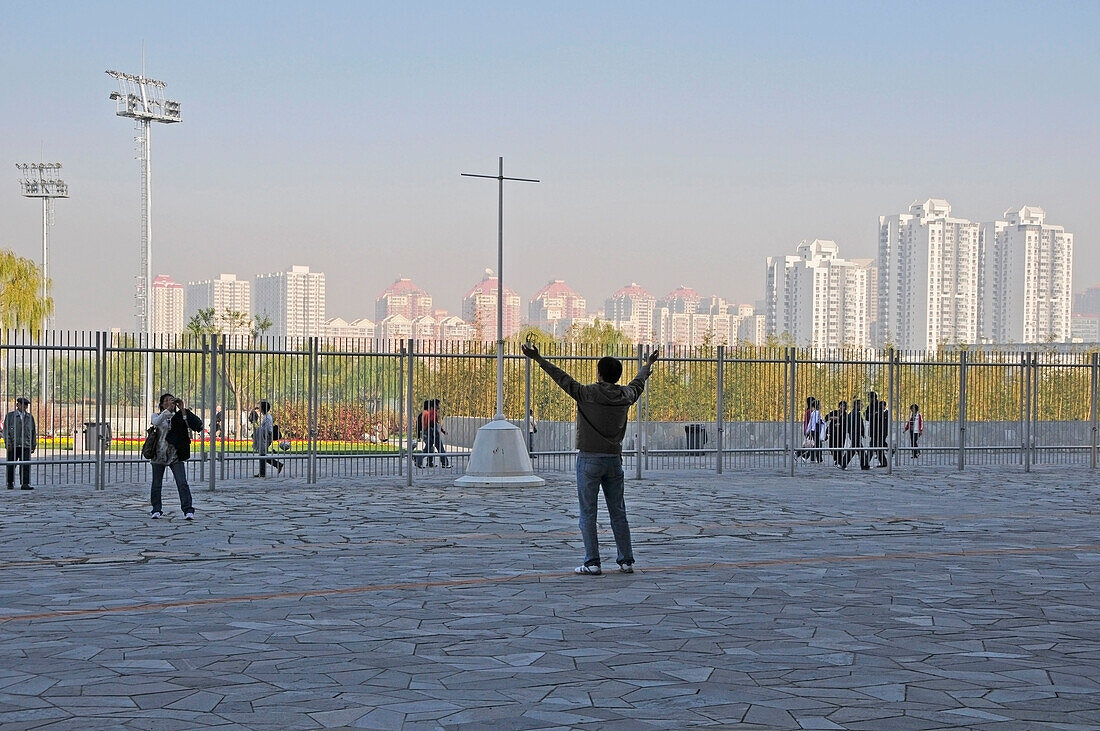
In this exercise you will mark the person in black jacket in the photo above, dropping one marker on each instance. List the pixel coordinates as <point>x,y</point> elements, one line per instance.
<point>878,424</point>
<point>838,432</point>
<point>174,423</point>
<point>856,432</point>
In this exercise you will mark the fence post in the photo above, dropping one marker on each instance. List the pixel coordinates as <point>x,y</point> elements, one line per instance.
<point>409,420</point>
<point>1026,431</point>
<point>213,410</point>
<point>792,414</point>
<point>1092,410</point>
<point>312,399</point>
<point>100,398</point>
<point>962,410</point>
<point>527,404</point>
<point>891,398</point>
<point>639,425</point>
<point>720,405</point>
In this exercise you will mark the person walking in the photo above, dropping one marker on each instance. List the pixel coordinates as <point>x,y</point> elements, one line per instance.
<point>262,438</point>
<point>532,429</point>
<point>856,432</point>
<point>174,423</point>
<point>602,410</point>
<point>878,422</point>
<point>814,430</point>
<point>837,421</point>
<point>21,441</point>
<point>915,427</point>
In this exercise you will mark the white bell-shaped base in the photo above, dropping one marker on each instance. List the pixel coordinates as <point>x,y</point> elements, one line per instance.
<point>499,459</point>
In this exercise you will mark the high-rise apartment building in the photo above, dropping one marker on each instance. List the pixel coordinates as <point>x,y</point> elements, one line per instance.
<point>293,300</point>
<point>224,294</point>
<point>630,309</point>
<point>167,306</point>
<point>679,319</point>
<point>1026,279</point>
<point>403,297</point>
<point>928,278</point>
<point>555,307</point>
<point>479,309</point>
<point>817,298</point>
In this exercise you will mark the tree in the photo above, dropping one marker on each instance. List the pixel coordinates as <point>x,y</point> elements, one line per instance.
<point>240,372</point>
<point>22,303</point>
<point>602,334</point>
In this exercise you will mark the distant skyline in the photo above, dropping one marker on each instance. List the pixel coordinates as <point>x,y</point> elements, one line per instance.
<point>676,143</point>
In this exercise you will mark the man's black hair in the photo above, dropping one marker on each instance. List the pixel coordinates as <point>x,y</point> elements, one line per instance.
<point>610,369</point>
<point>265,406</point>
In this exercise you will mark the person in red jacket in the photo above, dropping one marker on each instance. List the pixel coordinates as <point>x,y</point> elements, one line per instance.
<point>915,427</point>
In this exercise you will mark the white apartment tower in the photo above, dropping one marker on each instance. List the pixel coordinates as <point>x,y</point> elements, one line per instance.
<point>819,299</point>
<point>1026,275</point>
<point>167,306</point>
<point>630,309</point>
<point>555,307</point>
<point>294,300</point>
<point>928,278</point>
<point>479,309</point>
<point>405,298</point>
<point>224,294</point>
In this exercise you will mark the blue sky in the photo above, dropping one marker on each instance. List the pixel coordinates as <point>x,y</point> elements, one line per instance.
<point>677,143</point>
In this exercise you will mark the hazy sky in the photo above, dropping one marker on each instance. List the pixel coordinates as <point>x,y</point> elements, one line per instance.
<point>677,142</point>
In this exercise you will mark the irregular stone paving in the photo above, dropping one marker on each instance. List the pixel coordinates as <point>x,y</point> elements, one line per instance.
<point>831,600</point>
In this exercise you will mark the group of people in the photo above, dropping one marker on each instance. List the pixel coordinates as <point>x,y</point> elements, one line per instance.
<point>173,423</point>
<point>861,432</point>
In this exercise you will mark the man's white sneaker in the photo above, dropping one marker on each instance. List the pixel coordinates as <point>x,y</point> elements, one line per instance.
<point>626,568</point>
<point>188,516</point>
<point>154,514</point>
<point>588,570</point>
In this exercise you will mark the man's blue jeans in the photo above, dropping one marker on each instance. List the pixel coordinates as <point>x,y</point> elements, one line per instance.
<point>595,471</point>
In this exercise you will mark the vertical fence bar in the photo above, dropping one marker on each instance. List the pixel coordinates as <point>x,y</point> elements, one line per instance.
<point>100,398</point>
<point>410,424</point>
<point>213,410</point>
<point>962,410</point>
<point>892,450</point>
<point>792,415</point>
<point>1093,410</point>
<point>720,405</point>
<point>1027,412</point>
<point>527,405</point>
<point>313,399</point>
<point>639,443</point>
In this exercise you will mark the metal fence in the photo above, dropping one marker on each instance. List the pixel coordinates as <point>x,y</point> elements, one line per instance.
<point>348,408</point>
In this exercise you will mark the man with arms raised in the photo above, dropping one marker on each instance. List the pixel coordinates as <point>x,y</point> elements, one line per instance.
<point>602,409</point>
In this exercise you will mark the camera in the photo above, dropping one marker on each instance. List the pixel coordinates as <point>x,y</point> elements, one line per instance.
<point>179,402</point>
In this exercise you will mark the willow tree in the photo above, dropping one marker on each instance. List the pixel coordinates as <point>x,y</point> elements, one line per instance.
<point>22,302</point>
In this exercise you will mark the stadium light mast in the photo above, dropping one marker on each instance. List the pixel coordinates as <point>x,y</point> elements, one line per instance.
<point>499,457</point>
<point>142,99</point>
<point>43,180</point>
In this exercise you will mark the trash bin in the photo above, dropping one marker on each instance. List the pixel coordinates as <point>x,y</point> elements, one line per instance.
<point>696,436</point>
<point>92,430</point>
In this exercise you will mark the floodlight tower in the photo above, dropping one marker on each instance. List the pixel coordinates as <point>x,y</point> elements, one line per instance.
<point>42,180</point>
<point>142,99</point>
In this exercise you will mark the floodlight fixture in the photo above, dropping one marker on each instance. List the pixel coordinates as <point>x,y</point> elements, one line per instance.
<point>43,180</point>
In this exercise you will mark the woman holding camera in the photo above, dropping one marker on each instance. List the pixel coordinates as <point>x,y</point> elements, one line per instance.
<point>174,423</point>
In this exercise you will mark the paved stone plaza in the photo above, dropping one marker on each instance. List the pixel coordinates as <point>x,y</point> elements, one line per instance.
<point>832,600</point>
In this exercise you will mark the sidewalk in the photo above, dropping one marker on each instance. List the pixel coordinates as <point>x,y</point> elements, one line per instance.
<point>834,600</point>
